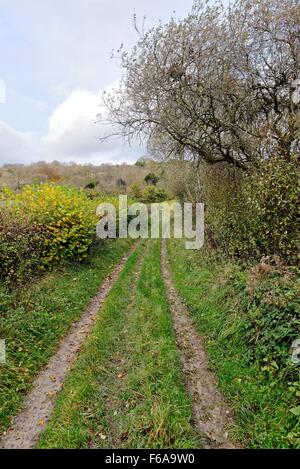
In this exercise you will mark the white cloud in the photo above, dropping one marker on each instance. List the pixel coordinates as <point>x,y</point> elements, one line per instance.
<point>72,135</point>
<point>16,147</point>
<point>72,129</point>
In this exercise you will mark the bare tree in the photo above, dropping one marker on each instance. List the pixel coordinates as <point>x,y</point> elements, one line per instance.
<point>214,86</point>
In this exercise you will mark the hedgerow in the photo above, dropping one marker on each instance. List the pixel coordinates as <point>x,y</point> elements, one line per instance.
<point>263,216</point>
<point>43,224</point>
<point>21,246</point>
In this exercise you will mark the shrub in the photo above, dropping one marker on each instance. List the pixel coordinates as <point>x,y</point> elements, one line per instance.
<point>42,224</point>
<point>91,185</point>
<point>67,215</point>
<point>151,179</point>
<point>21,248</point>
<point>264,216</point>
<point>135,190</point>
<point>272,307</point>
<point>153,194</point>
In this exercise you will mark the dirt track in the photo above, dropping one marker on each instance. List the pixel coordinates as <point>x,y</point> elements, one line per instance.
<point>31,421</point>
<point>212,416</point>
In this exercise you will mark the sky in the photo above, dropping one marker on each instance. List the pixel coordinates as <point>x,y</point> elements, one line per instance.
<point>55,61</point>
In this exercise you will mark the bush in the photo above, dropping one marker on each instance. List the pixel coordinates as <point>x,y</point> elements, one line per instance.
<point>135,190</point>
<point>153,194</point>
<point>21,248</point>
<point>91,185</point>
<point>264,216</point>
<point>42,224</point>
<point>151,179</point>
<point>272,307</point>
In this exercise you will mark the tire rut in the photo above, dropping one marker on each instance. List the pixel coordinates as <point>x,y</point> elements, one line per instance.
<point>27,425</point>
<point>211,414</point>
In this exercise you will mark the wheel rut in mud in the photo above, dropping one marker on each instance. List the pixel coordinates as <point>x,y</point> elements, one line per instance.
<point>30,422</point>
<point>211,414</point>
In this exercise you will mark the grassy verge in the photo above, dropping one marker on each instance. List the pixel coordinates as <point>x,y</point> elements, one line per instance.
<point>33,319</point>
<point>248,323</point>
<point>126,390</point>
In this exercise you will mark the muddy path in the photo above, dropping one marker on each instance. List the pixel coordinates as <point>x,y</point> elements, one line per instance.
<point>27,426</point>
<point>211,414</point>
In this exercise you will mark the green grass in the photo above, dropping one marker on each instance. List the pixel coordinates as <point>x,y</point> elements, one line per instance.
<point>260,396</point>
<point>33,319</point>
<point>126,389</point>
